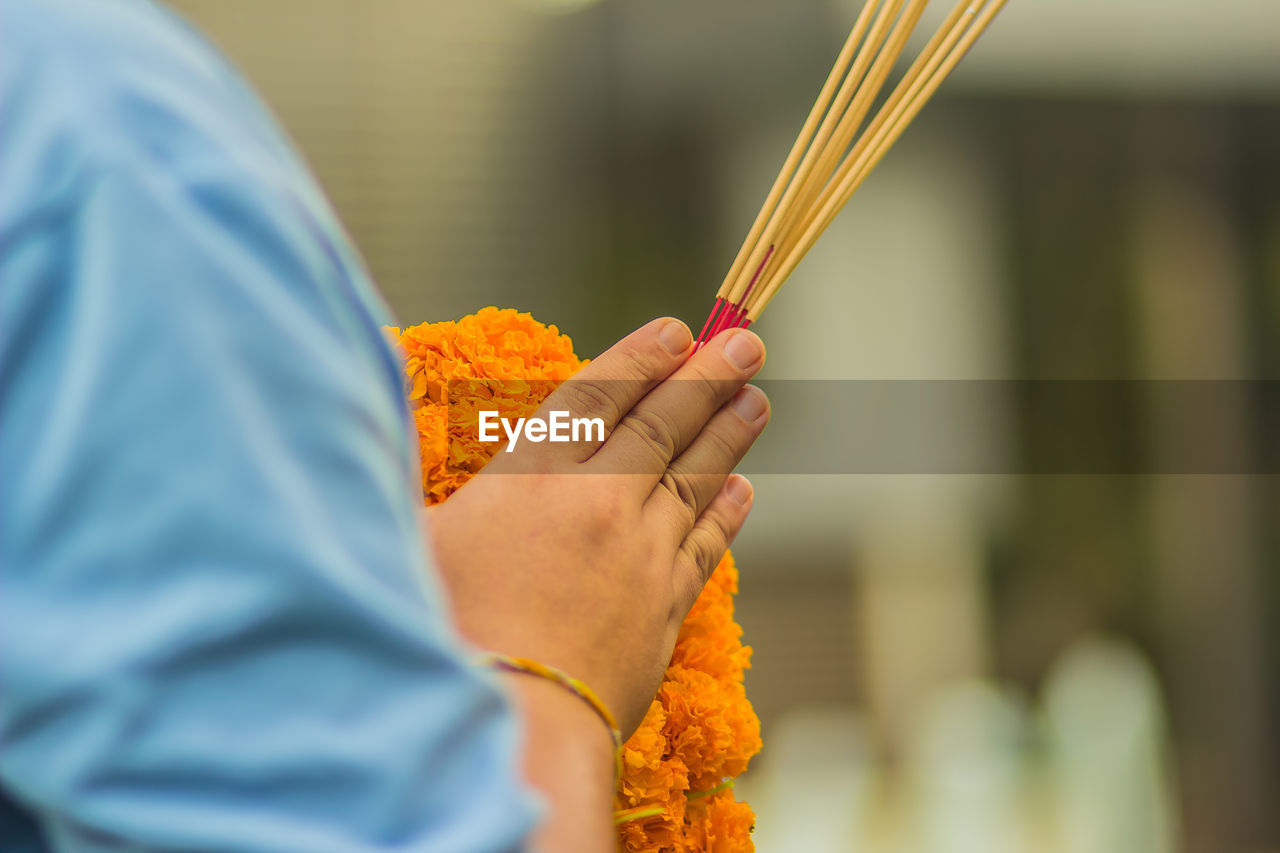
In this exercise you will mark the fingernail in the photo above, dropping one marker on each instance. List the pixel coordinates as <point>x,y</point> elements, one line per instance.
<point>675,337</point>
<point>743,350</point>
<point>749,403</point>
<point>739,490</point>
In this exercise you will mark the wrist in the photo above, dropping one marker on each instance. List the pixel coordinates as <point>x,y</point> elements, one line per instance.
<point>569,758</point>
<point>559,722</point>
<point>566,682</point>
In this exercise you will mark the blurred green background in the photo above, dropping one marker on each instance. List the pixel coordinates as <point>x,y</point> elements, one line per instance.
<point>1074,663</point>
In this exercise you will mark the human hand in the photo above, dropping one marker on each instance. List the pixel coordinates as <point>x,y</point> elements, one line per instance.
<point>588,555</point>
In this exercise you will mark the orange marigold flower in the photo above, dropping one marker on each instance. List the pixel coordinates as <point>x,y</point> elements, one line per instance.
<point>700,730</point>
<point>720,824</point>
<point>501,360</point>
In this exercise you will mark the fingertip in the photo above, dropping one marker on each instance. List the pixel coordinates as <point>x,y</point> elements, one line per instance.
<point>674,335</point>
<point>739,490</point>
<point>744,349</point>
<point>752,405</point>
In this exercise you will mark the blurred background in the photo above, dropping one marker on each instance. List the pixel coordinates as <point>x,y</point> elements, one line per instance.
<point>1011,659</point>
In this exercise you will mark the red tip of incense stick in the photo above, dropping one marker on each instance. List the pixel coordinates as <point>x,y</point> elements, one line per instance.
<point>715,309</point>
<point>727,318</point>
<point>734,318</point>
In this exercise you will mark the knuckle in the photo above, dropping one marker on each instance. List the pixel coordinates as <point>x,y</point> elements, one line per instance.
<point>601,518</point>
<point>610,507</point>
<point>715,388</point>
<point>636,364</point>
<point>724,449</point>
<point>681,487</point>
<point>709,386</point>
<point>690,587</point>
<point>590,397</point>
<point>705,554</point>
<point>654,429</point>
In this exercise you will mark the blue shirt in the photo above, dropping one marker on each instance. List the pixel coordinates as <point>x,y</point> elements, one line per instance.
<point>219,630</point>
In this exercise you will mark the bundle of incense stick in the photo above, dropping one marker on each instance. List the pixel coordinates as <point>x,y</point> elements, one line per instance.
<point>839,145</point>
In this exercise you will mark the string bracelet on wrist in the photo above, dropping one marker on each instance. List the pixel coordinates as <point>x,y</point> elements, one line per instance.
<point>508,663</point>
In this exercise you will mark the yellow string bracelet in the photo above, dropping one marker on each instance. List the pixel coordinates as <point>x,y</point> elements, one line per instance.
<point>565,680</point>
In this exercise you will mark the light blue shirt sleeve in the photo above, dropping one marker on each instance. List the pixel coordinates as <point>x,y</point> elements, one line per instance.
<point>219,629</point>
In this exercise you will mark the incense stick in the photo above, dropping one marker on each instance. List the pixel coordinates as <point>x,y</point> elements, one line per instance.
<point>838,147</point>
<point>799,148</point>
<point>848,91</point>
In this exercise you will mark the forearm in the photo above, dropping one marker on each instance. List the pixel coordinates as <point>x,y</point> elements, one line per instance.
<point>568,757</point>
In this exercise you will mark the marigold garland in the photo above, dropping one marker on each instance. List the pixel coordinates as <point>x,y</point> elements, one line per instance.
<point>675,793</point>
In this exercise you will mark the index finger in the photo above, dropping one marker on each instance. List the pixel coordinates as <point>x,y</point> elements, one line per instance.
<point>611,385</point>
<point>668,419</point>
